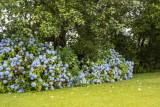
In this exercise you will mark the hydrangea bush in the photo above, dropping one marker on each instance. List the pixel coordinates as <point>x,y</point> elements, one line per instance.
<point>27,64</point>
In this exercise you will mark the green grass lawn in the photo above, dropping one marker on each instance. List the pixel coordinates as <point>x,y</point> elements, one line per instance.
<point>141,91</point>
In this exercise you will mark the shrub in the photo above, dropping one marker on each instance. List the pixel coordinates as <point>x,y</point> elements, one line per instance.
<point>27,64</point>
<point>109,68</point>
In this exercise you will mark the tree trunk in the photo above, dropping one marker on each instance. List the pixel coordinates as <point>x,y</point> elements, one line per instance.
<point>142,44</point>
<point>138,42</point>
<point>61,39</point>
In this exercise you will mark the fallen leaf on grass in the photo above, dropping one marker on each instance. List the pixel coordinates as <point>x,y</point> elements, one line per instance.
<point>52,96</point>
<point>110,91</point>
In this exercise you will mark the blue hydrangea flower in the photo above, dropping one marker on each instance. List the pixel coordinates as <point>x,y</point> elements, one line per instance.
<point>32,78</point>
<point>52,88</point>
<point>10,76</point>
<point>7,73</point>
<point>66,65</point>
<point>1,68</point>
<point>112,80</point>
<point>4,81</point>
<point>23,81</point>
<point>40,80</point>
<point>25,60</point>
<point>50,71</point>
<point>5,65</point>
<point>1,73</point>
<point>12,86</point>
<point>53,74</point>
<point>51,83</point>
<point>33,84</point>
<point>120,80</point>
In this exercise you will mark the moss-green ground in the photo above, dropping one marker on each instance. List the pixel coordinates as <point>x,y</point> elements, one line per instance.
<point>141,91</point>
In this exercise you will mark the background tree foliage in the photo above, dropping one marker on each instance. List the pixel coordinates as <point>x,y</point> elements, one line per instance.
<point>99,25</point>
<point>93,20</point>
<point>146,29</point>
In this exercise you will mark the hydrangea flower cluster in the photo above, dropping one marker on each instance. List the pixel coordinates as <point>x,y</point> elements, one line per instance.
<point>26,64</point>
<point>110,69</point>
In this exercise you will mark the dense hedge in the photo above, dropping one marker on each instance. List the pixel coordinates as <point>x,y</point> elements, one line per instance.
<point>26,64</point>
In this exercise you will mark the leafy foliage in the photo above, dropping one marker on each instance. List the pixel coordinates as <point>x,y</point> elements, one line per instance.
<point>95,21</point>
<point>146,30</point>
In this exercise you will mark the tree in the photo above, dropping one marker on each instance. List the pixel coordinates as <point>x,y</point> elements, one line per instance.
<point>95,21</point>
<point>146,28</point>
